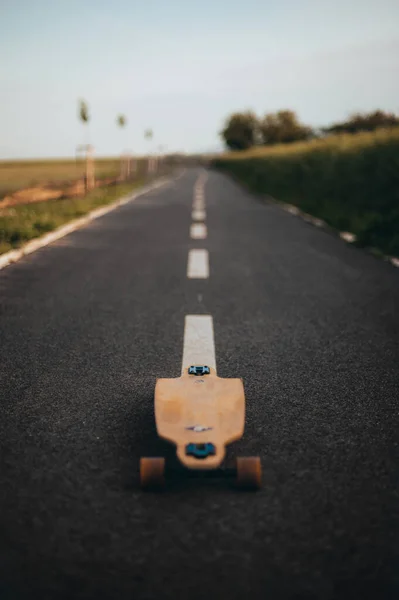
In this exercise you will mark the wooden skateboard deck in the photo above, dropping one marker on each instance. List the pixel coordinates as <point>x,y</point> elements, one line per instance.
<point>200,413</point>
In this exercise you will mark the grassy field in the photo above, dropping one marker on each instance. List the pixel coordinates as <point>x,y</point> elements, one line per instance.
<point>23,222</point>
<point>349,181</point>
<point>16,175</point>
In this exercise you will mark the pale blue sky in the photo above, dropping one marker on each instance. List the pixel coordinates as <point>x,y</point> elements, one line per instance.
<point>181,67</point>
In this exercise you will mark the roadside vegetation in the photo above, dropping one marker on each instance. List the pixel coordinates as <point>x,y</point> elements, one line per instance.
<point>20,174</point>
<point>23,222</point>
<point>245,130</point>
<point>37,196</point>
<point>350,179</point>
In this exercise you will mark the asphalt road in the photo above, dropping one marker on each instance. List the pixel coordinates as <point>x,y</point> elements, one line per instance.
<point>88,323</point>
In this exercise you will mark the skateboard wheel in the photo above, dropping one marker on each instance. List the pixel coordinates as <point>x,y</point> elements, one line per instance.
<point>249,473</point>
<point>152,473</point>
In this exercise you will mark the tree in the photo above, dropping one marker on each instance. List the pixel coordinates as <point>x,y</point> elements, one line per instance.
<point>270,129</point>
<point>283,127</point>
<point>364,122</point>
<point>121,120</point>
<point>151,162</point>
<point>83,112</point>
<point>240,131</point>
<point>125,160</point>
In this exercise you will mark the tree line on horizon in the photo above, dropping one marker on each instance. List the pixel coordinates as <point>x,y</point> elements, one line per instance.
<point>243,130</point>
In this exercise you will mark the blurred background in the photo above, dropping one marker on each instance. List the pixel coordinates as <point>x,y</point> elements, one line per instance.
<point>97,93</point>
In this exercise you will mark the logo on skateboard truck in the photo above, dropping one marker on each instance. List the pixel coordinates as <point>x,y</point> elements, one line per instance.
<point>200,450</point>
<point>198,428</point>
<point>199,370</point>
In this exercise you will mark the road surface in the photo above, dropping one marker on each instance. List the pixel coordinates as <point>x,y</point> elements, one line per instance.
<point>89,322</point>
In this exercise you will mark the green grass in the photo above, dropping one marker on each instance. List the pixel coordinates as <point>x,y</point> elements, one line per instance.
<point>23,222</point>
<point>350,181</point>
<point>16,175</point>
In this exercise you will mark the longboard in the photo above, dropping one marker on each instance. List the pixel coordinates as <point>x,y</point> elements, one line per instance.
<point>200,413</point>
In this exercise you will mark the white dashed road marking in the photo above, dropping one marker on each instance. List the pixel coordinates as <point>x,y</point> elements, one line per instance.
<point>199,344</point>
<point>199,204</point>
<point>198,231</point>
<point>198,264</point>
<point>198,215</point>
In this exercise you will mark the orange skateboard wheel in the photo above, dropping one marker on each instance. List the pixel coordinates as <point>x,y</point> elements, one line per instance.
<point>249,473</point>
<point>152,473</point>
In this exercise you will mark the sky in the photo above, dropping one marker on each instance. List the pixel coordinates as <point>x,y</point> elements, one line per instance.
<point>180,67</point>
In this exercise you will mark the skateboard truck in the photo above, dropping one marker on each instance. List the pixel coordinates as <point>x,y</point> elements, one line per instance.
<point>199,370</point>
<point>200,450</point>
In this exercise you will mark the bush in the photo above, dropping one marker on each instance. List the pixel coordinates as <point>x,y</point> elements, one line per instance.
<point>350,181</point>
<point>365,122</point>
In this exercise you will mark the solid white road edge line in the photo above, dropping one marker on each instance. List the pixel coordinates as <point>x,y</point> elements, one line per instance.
<point>347,236</point>
<point>15,255</point>
<point>198,264</point>
<point>199,343</point>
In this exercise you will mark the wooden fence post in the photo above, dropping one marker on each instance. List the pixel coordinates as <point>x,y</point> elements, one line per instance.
<point>90,176</point>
